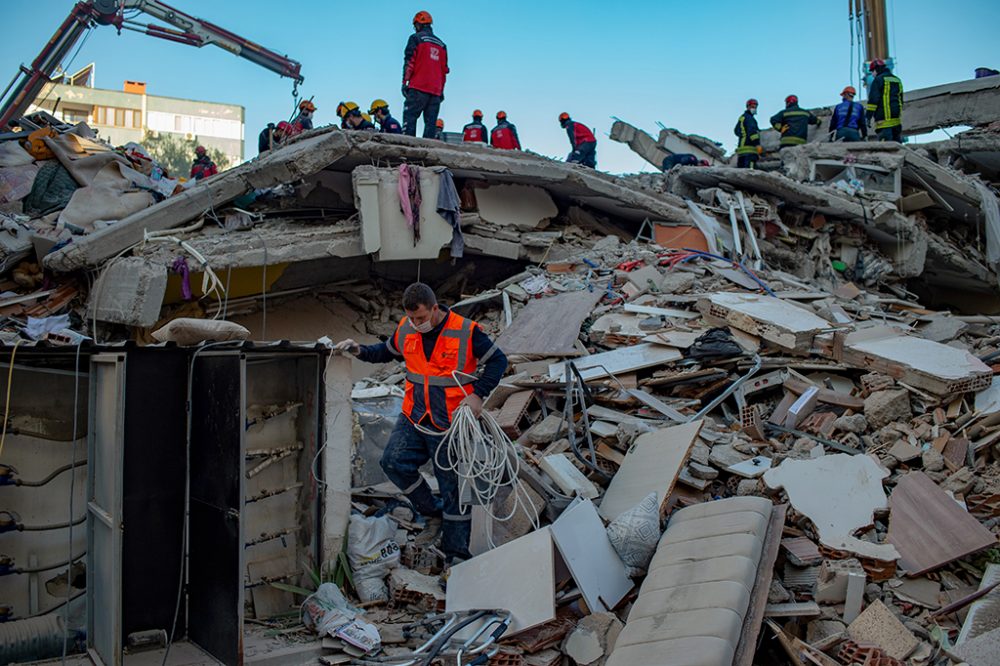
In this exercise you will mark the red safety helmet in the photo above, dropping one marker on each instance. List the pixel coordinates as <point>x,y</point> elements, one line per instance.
<point>283,125</point>
<point>501,115</point>
<point>477,114</point>
<point>791,99</point>
<point>439,124</point>
<point>849,90</point>
<point>752,102</point>
<point>563,116</point>
<point>423,18</point>
<point>875,64</point>
<point>200,150</point>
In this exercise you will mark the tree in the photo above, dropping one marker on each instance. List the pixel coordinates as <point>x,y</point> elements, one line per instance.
<point>175,153</point>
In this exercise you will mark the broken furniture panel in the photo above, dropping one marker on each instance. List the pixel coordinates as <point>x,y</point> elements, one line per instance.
<point>652,465</point>
<point>518,576</point>
<point>549,326</point>
<point>839,493</point>
<point>618,361</point>
<point>929,528</point>
<point>384,229</point>
<point>773,319</point>
<point>927,365</point>
<point>596,566</point>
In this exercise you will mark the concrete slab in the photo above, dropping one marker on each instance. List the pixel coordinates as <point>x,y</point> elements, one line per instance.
<point>523,207</point>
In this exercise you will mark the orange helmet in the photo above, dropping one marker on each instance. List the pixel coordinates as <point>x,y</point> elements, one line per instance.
<point>307,105</point>
<point>563,116</point>
<point>477,114</point>
<point>439,123</point>
<point>849,90</point>
<point>423,18</point>
<point>501,115</point>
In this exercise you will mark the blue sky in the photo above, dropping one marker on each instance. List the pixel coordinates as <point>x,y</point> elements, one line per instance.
<point>688,64</point>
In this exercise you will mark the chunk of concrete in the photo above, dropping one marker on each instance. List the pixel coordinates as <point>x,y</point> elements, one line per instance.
<point>524,207</point>
<point>593,639</point>
<point>545,430</point>
<point>130,291</point>
<point>831,584</point>
<point>884,407</point>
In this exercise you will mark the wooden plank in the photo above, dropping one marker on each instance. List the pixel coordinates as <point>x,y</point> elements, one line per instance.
<point>929,528</point>
<point>752,621</point>
<point>660,312</point>
<point>549,326</point>
<point>497,579</point>
<point>618,361</point>
<point>827,396</point>
<point>597,569</point>
<point>792,609</point>
<point>652,465</point>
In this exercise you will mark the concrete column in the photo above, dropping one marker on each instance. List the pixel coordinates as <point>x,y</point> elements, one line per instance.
<point>338,442</point>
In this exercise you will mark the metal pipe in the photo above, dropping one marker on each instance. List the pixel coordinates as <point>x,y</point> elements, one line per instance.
<point>729,390</point>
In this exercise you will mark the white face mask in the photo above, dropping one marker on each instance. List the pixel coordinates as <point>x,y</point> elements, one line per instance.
<point>424,327</point>
<point>753,111</point>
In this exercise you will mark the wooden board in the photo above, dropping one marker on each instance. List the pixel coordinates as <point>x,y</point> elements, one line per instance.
<point>618,361</point>
<point>752,621</point>
<point>929,528</point>
<point>518,576</point>
<point>652,465</point>
<point>549,326</point>
<point>597,569</point>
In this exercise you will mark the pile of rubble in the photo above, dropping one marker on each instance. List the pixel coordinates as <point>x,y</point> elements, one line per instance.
<point>637,369</point>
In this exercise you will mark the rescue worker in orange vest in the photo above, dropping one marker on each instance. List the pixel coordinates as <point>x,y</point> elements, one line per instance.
<point>441,350</point>
<point>476,130</point>
<point>504,135</point>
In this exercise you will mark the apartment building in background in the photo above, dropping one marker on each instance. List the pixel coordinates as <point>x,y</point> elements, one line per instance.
<point>120,116</point>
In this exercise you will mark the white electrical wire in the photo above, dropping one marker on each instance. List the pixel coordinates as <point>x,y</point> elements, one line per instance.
<point>485,461</point>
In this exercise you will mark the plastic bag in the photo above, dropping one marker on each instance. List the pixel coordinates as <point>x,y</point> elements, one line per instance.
<point>635,534</point>
<point>372,551</point>
<point>327,612</point>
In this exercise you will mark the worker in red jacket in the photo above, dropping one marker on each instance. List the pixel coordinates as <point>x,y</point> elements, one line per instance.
<point>582,141</point>
<point>476,130</point>
<point>504,135</point>
<point>425,67</point>
<point>203,166</point>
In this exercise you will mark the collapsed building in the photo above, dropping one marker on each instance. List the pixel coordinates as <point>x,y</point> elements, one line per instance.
<point>763,352</point>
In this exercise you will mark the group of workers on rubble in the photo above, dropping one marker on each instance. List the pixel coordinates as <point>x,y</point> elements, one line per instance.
<point>425,68</point>
<point>850,120</point>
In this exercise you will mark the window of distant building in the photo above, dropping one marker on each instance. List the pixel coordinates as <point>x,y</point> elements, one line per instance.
<point>117,117</point>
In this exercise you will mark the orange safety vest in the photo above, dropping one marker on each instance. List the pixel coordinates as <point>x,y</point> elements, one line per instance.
<point>431,387</point>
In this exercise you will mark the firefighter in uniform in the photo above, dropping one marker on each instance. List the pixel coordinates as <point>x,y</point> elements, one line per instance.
<point>793,122</point>
<point>748,149</point>
<point>425,68</point>
<point>203,166</point>
<point>504,135</point>
<point>476,130</point>
<point>885,103</point>
<point>581,140</point>
<point>441,350</point>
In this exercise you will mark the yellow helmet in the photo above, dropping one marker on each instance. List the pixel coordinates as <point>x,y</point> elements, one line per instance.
<point>366,117</point>
<point>346,107</point>
<point>378,104</point>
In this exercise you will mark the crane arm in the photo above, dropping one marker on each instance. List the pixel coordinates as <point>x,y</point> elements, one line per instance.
<point>28,83</point>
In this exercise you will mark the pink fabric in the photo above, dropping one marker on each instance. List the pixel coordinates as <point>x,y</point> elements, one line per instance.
<point>409,198</point>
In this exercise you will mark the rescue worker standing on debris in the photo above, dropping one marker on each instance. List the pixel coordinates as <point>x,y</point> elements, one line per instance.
<point>848,119</point>
<point>885,102</point>
<point>439,135</point>
<point>504,135</point>
<point>581,140</point>
<point>425,67</point>
<point>476,130</point>
<point>748,149</point>
<point>793,122</point>
<point>441,350</point>
<point>266,138</point>
<point>203,166</point>
<point>387,124</point>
